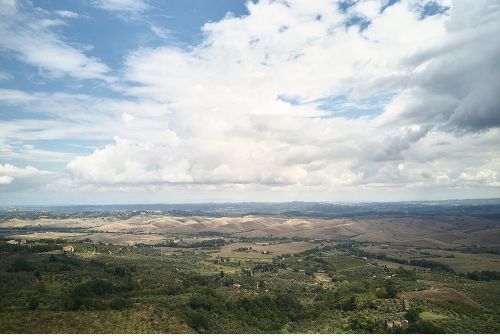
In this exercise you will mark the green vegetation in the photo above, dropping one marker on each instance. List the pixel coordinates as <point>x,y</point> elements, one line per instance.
<point>333,288</point>
<point>484,275</point>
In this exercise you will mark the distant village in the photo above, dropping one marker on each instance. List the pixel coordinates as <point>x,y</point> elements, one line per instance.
<point>66,249</point>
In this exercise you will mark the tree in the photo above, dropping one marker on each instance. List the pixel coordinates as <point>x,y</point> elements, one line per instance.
<point>413,315</point>
<point>33,303</point>
<point>351,304</point>
<point>391,289</point>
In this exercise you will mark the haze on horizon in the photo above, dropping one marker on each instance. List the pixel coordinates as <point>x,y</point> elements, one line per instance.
<point>128,101</point>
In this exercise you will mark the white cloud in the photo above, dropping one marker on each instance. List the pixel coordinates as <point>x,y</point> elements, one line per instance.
<point>232,130</point>
<point>481,177</point>
<point>67,118</point>
<point>216,116</point>
<point>28,33</point>
<point>67,14</point>
<point>128,119</point>
<point>122,6</point>
<point>6,179</point>
<point>14,178</point>
<point>161,32</point>
<point>14,96</point>
<point>368,9</point>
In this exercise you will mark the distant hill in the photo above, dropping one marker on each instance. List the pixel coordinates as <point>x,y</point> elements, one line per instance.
<point>489,208</point>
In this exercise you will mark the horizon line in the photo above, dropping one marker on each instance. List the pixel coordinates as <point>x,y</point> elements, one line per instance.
<point>246,202</point>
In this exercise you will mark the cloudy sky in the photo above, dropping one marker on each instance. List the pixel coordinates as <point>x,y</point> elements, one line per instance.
<point>120,101</point>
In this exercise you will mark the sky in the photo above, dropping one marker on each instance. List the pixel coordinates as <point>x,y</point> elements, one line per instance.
<point>143,101</point>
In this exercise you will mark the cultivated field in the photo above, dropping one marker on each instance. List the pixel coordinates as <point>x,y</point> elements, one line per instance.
<point>258,251</point>
<point>440,292</point>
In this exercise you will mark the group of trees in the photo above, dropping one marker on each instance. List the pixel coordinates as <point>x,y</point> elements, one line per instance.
<point>209,243</point>
<point>100,294</point>
<point>484,275</point>
<point>39,247</point>
<point>208,311</point>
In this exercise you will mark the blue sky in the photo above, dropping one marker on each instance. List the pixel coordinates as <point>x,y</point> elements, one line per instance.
<point>109,35</point>
<point>114,101</point>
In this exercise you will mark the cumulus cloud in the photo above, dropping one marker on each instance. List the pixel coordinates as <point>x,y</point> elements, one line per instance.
<point>28,33</point>
<point>488,177</point>
<point>227,123</point>
<point>450,84</point>
<point>14,178</point>
<point>271,101</point>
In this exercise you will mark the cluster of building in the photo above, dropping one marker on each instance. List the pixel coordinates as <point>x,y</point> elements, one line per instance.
<point>66,249</point>
<point>17,242</point>
<point>397,323</point>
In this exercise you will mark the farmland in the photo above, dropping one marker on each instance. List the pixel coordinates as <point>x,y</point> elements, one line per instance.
<point>159,272</point>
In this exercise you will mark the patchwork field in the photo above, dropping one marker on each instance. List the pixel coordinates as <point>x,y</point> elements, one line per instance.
<point>259,251</point>
<point>460,262</point>
<point>48,235</point>
<point>440,292</point>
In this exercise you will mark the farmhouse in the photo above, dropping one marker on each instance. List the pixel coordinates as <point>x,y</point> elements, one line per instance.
<point>397,323</point>
<point>12,242</point>
<point>68,249</point>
